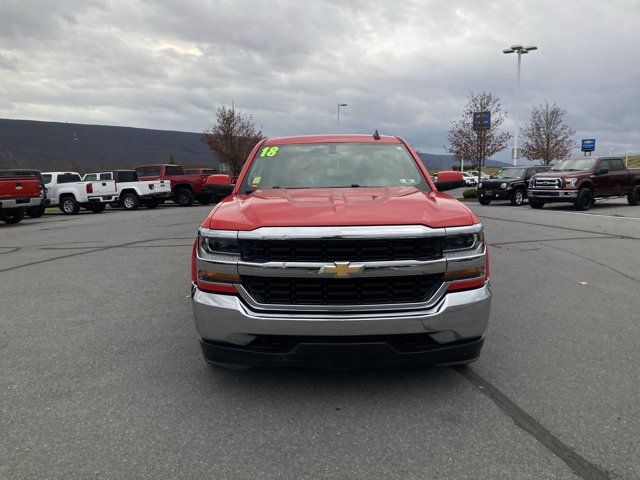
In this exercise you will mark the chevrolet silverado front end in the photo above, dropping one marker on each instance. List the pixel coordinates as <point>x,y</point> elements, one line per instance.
<point>354,260</point>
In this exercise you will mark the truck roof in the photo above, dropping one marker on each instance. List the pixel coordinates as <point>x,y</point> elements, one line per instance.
<point>331,138</point>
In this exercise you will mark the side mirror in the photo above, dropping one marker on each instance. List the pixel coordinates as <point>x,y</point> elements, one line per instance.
<point>602,171</point>
<point>449,180</point>
<point>219,185</point>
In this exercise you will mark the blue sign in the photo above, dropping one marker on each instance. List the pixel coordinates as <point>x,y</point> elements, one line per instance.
<point>481,120</point>
<point>588,144</point>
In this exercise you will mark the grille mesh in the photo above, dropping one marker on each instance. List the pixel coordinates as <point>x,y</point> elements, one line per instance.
<point>338,291</point>
<point>424,248</point>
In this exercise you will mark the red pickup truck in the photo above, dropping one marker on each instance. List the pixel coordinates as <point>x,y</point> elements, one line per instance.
<point>19,190</point>
<point>185,188</point>
<point>336,250</point>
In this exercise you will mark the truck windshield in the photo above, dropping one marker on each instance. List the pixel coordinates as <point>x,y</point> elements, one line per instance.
<point>510,173</point>
<point>333,165</point>
<point>574,165</point>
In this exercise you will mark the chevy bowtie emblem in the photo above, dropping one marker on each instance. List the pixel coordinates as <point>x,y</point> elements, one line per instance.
<point>343,269</point>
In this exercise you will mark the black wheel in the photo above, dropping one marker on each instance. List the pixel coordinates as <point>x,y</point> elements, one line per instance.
<point>584,200</point>
<point>634,196</point>
<point>152,203</point>
<point>517,197</point>
<point>35,212</point>
<point>536,203</point>
<point>184,197</point>
<point>484,201</point>
<point>130,201</point>
<point>12,218</point>
<point>97,207</point>
<point>69,206</point>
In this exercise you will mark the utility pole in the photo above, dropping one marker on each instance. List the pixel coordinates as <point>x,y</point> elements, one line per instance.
<point>340,105</point>
<point>520,50</point>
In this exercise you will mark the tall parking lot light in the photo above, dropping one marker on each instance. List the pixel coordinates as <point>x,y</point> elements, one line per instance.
<point>520,50</point>
<point>340,105</point>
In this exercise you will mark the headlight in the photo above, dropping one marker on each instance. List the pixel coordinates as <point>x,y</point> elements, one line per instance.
<point>218,244</point>
<point>570,182</point>
<point>503,186</point>
<point>463,241</point>
<point>480,185</point>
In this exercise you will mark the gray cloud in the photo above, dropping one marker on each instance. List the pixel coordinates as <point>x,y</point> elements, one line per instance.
<point>403,67</point>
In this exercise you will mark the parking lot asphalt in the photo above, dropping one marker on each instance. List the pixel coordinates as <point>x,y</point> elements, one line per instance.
<point>101,374</point>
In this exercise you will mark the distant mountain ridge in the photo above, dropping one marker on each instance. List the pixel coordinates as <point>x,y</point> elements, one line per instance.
<point>54,145</point>
<point>64,146</point>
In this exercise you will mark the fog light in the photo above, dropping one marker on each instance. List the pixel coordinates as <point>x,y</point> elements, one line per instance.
<point>447,336</point>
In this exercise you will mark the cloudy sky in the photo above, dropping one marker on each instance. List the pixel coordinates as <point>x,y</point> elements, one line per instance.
<point>404,67</point>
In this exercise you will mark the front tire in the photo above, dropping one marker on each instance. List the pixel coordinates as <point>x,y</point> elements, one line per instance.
<point>536,203</point>
<point>584,200</point>
<point>634,196</point>
<point>13,218</point>
<point>184,197</point>
<point>69,206</point>
<point>484,201</point>
<point>35,212</point>
<point>517,197</point>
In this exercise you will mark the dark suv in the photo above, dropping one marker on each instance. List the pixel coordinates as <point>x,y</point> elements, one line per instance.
<point>508,184</point>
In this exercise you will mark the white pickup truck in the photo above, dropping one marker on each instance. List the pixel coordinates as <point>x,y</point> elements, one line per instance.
<point>132,192</point>
<point>67,191</point>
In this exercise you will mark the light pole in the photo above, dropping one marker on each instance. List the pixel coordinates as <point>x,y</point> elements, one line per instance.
<point>520,50</point>
<point>626,160</point>
<point>340,105</point>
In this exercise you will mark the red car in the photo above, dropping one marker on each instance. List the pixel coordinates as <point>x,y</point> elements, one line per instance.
<point>339,250</point>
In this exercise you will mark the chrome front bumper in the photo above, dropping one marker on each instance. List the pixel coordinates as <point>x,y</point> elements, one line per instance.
<point>455,316</point>
<point>552,194</point>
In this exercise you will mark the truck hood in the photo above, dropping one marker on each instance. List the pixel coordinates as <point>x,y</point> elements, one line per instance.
<point>338,207</point>
<point>559,174</point>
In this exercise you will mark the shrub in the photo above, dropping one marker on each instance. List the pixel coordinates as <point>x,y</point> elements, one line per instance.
<point>470,193</point>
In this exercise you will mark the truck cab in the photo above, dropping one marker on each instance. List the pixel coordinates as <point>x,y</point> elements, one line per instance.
<point>339,250</point>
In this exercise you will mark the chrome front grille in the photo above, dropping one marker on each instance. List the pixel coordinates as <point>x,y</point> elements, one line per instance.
<point>331,250</point>
<point>547,183</point>
<point>338,291</point>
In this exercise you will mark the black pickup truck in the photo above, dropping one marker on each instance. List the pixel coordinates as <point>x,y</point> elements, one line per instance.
<point>508,184</point>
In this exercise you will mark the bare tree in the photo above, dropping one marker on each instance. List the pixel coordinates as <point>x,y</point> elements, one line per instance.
<point>232,137</point>
<point>547,137</point>
<point>469,145</point>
